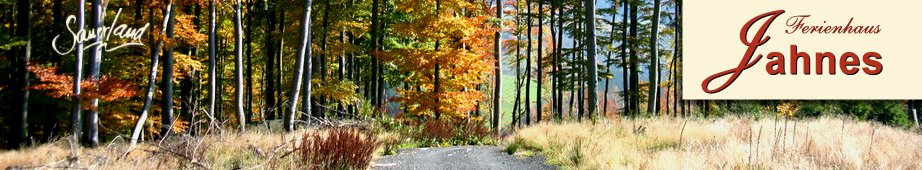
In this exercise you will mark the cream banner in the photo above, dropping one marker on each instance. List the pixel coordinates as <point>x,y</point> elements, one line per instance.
<point>802,49</point>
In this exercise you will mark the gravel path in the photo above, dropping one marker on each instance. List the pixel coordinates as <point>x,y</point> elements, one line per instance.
<point>458,157</point>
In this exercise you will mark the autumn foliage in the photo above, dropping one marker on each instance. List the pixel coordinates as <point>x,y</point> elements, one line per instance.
<point>457,38</point>
<point>106,88</point>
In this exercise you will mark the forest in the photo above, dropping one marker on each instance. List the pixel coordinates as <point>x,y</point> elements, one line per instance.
<point>94,72</point>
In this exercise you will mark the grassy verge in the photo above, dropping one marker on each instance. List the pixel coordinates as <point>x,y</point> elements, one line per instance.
<point>255,149</point>
<point>727,143</point>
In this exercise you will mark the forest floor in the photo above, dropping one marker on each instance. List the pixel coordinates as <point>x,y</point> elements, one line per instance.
<point>459,157</point>
<point>721,143</point>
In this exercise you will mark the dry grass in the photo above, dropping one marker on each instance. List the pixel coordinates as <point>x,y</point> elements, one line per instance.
<point>728,143</point>
<point>250,150</point>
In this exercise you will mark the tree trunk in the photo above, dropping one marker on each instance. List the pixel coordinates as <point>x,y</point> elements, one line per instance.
<point>677,55</point>
<point>614,9</point>
<point>304,53</point>
<point>281,59</point>
<point>151,82</point>
<point>20,123</point>
<point>380,70</point>
<point>341,72</point>
<point>371,88</point>
<point>553,72</point>
<point>540,63</point>
<point>632,64</point>
<point>167,80</point>
<point>212,63</point>
<point>92,123</point>
<point>498,74</point>
<point>248,94</point>
<point>590,54</point>
<point>238,66</point>
<point>437,111</point>
<point>518,72</point>
<point>558,51</point>
<point>626,97</point>
<point>528,63</point>
<point>321,67</point>
<point>272,108</point>
<point>75,116</point>
<point>653,96</point>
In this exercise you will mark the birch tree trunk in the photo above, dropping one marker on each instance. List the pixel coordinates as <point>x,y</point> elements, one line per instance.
<point>92,123</point>
<point>151,82</point>
<point>304,53</point>
<point>75,117</point>
<point>238,66</point>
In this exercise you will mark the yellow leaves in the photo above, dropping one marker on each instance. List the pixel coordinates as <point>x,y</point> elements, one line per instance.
<point>185,64</point>
<point>788,109</point>
<point>341,91</point>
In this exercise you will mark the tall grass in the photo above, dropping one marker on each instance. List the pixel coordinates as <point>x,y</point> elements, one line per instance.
<point>255,149</point>
<point>727,143</point>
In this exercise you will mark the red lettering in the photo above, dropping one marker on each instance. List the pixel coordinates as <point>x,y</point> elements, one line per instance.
<point>745,63</point>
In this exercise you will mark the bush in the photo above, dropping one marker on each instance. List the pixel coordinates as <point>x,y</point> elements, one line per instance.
<point>458,132</point>
<point>437,130</point>
<point>337,149</point>
<point>819,108</point>
<point>888,112</point>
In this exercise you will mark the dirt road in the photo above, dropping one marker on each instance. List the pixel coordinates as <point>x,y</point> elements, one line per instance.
<point>458,157</point>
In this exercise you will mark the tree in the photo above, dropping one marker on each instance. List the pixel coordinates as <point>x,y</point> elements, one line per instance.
<point>624,64</point>
<point>497,52</point>
<point>677,58</point>
<point>458,53</point>
<point>76,118</point>
<point>540,62</point>
<point>238,64</point>
<point>632,63</point>
<point>21,94</point>
<point>614,9</point>
<point>528,24</point>
<point>558,60</point>
<point>166,113</point>
<point>590,54</point>
<point>653,97</point>
<point>270,61</point>
<point>518,65</point>
<point>304,53</point>
<point>148,97</point>
<point>212,63</point>
<point>92,123</point>
<point>248,37</point>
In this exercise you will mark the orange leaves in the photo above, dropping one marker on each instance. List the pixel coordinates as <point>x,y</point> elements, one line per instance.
<point>186,32</point>
<point>463,56</point>
<point>61,86</point>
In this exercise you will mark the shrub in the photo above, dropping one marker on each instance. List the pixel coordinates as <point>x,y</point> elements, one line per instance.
<point>457,132</point>
<point>472,132</point>
<point>437,130</point>
<point>888,112</point>
<point>891,112</point>
<point>819,108</point>
<point>337,149</point>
